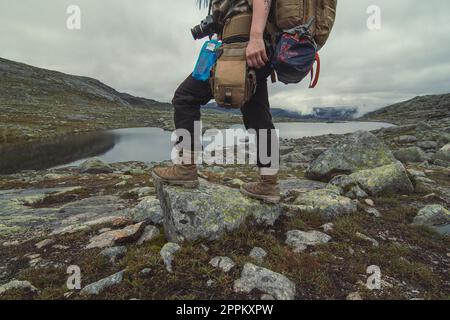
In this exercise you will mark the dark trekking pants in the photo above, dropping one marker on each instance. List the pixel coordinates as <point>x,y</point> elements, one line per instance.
<point>192,94</point>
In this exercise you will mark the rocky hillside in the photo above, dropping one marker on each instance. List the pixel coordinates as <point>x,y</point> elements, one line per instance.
<point>350,204</point>
<point>425,108</point>
<point>38,104</point>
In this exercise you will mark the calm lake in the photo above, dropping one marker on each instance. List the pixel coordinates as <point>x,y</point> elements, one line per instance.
<point>138,144</point>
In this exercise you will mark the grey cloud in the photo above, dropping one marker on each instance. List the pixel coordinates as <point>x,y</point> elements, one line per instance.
<point>144,47</point>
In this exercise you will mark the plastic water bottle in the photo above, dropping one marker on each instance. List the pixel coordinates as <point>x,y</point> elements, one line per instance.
<point>206,60</point>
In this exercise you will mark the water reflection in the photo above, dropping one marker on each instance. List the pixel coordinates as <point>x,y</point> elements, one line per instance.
<point>37,156</point>
<point>136,144</point>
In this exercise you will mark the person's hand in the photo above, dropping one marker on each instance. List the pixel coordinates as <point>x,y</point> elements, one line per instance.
<point>256,53</point>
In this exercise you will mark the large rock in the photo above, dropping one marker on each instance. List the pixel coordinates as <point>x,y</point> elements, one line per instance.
<point>267,281</point>
<point>299,186</point>
<point>209,211</point>
<point>356,152</point>
<point>391,178</point>
<point>95,166</point>
<point>434,216</point>
<point>410,155</point>
<point>325,202</point>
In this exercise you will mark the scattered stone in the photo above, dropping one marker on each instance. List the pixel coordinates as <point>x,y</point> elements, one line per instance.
<point>17,285</point>
<point>44,243</point>
<point>354,296</point>
<point>167,253</point>
<point>373,212</point>
<point>115,253</point>
<point>149,209</point>
<point>443,154</point>
<point>111,238</point>
<point>103,284</point>
<point>267,297</point>
<point>427,145</point>
<point>150,233</point>
<point>146,271</point>
<point>258,254</point>
<point>410,155</point>
<point>95,166</point>
<point>355,152</point>
<point>210,283</point>
<point>209,211</point>
<point>367,238</point>
<point>301,240</point>
<point>436,217</point>
<point>327,227</point>
<point>140,192</point>
<point>267,281</point>
<point>369,202</point>
<point>387,179</point>
<point>407,139</point>
<point>223,263</point>
<point>284,150</point>
<point>325,202</point>
<point>8,244</point>
<point>121,222</point>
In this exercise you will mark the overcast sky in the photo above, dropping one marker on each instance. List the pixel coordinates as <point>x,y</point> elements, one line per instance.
<point>144,47</point>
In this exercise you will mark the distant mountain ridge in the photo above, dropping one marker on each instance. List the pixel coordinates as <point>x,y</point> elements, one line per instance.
<point>23,84</point>
<point>318,114</point>
<point>422,108</point>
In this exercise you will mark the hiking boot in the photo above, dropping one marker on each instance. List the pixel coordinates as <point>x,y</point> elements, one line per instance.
<point>267,189</point>
<point>178,175</point>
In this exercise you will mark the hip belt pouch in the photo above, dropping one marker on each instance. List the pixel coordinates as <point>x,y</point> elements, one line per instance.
<point>232,83</point>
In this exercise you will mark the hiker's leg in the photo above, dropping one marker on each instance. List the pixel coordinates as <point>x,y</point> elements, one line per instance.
<point>257,116</point>
<point>188,99</point>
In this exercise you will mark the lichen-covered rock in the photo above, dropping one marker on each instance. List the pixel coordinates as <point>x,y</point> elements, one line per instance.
<point>223,263</point>
<point>17,285</point>
<point>99,286</point>
<point>167,254</point>
<point>299,186</point>
<point>326,202</point>
<point>209,211</point>
<point>149,209</point>
<point>111,238</point>
<point>359,151</point>
<point>392,178</point>
<point>258,254</point>
<point>443,154</point>
<point>95,166</point>
<point>267,281</point>
<point>435,216</point>
<point>410,155</point>
<point>301,240</point>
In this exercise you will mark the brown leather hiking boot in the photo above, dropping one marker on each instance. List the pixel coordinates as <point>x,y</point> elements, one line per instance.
<point>179,175</point>
<point>267,189</point>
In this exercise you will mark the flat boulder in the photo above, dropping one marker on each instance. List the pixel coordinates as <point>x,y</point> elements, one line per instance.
<point>209,211</point>
<point>443,154</point>
<point>113,237</point>
<point>267,281</point>
<point>326,202</point>
<point>301,240</point>
<point>391,178</point>
<point>355,152</point>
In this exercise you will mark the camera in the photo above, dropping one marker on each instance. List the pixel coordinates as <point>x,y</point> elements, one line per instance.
<point>206,28</point>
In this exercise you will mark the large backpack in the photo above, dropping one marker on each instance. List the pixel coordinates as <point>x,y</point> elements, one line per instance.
<point>303,29</point>
<point>289,14</point>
